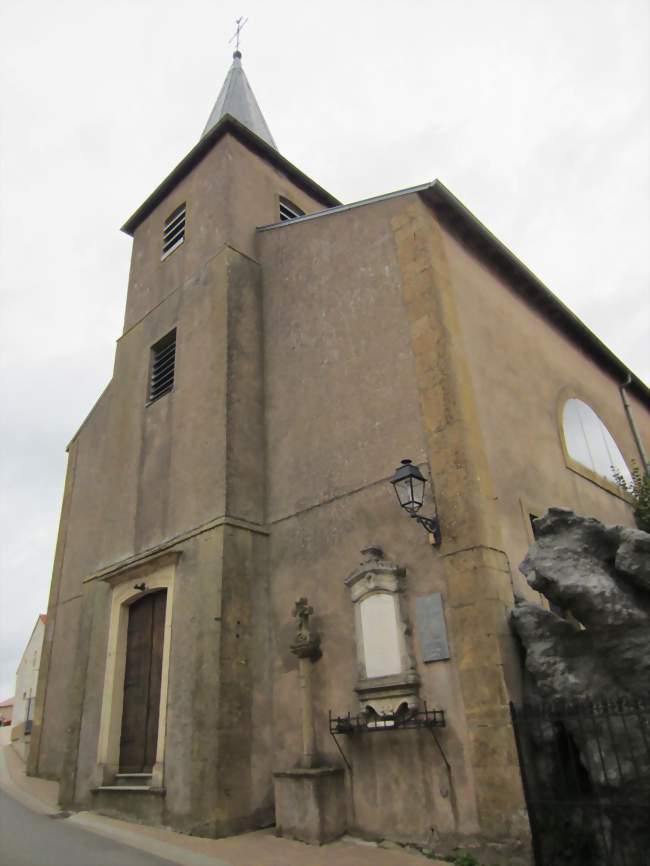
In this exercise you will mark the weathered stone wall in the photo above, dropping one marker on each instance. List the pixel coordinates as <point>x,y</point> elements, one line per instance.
<point>523,368</point>
<point>362,353</point>
<point>188,471</point>
<point>342,408</point>
<point>311,358</point>
<point>228,194</point>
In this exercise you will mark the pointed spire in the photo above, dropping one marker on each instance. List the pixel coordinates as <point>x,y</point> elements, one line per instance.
<point>237,99</point>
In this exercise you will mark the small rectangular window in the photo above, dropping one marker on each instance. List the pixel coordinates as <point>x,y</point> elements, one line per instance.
<point>174,231</point>
<point>289,210</point>
<point>163,361</point>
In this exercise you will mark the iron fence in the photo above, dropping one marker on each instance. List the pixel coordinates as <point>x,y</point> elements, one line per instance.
<point>586,774</point>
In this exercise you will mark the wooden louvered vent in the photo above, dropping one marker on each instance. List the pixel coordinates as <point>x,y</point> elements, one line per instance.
<point>289,210</point>
<point>163,359</point>
<point>174,231</point>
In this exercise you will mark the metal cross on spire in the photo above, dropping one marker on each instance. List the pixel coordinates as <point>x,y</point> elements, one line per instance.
<point>240,22</point>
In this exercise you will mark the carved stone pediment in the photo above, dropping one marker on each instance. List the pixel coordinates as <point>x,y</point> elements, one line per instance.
<point>374,574</point>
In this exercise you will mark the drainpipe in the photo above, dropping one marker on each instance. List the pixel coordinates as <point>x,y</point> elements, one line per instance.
<point>633,427</point>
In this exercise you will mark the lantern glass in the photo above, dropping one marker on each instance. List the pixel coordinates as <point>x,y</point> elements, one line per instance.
<point>417,487</point>
<point>409,487</point>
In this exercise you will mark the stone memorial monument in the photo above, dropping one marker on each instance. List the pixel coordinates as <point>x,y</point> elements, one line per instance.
<point>309,799</point>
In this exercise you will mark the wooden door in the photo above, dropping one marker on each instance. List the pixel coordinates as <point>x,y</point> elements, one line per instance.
<point>142,675</point>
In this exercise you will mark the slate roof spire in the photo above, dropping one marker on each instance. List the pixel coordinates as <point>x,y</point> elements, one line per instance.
<point>237,99</point>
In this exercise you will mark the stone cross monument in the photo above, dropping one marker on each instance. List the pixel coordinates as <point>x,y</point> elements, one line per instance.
<point>310,802</point>
<point>306,646</point>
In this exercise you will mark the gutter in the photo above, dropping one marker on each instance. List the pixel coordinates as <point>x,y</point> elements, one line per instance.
<point>633,427</point>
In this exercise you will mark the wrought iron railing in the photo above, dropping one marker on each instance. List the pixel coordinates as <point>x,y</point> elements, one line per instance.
<point>586,774</point>
<point>404,720</point>
<point>364,724</point>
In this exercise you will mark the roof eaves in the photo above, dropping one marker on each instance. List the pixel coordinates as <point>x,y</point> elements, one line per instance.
<point>41,618</point>
<point>524,281</point>
<point>346,207</point>
<point>88,416</point>
<point>227,124</point>
<point>471,230</point>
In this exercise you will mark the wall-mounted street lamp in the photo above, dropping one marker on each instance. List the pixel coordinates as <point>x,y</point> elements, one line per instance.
<point>409,483</point>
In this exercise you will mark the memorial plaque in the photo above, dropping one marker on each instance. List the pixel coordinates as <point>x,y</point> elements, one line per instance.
<point>431,627</point>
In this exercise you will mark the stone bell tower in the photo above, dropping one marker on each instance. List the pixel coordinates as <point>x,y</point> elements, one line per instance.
<point>159,597</point>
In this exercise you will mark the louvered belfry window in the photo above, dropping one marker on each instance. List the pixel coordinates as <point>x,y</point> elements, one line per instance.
<point>163,359</point>
<point>174,231</point>
<point>289,210</point>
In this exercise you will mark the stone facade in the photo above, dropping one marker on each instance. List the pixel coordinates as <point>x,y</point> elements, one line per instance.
<point>312,355</point>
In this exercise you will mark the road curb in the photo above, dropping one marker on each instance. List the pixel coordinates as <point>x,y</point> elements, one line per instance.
<point>165,850</point>
<point>96,824</point>
<point>15,792</point>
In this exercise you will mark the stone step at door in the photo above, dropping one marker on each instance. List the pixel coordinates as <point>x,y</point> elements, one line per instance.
<point>133,780</point>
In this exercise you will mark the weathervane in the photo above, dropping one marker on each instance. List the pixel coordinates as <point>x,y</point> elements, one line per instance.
<point>240,22</point>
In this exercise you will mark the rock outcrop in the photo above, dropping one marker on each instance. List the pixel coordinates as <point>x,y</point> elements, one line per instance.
<point>590,663</point>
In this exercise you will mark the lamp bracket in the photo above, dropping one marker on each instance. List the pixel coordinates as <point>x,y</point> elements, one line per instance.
<point>431,525</point>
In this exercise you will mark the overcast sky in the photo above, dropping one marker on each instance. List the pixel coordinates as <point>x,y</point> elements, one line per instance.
<point>534,112</point>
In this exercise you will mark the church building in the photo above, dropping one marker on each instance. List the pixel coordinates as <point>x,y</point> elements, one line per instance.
<point>243,622</point>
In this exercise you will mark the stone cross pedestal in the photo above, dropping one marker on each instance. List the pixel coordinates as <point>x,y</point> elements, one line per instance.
<point>306,647</point>
<point>309,800</point>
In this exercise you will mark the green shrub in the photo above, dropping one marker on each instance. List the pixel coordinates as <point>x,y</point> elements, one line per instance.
<point>639,492</point>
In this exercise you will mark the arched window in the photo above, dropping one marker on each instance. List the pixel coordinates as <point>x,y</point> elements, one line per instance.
<point>590,443</point>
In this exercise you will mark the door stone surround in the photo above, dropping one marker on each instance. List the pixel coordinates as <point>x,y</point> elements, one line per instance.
<point>153,575</point>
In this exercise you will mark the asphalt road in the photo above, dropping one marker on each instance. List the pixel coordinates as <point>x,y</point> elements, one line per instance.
<point>32,839</point>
